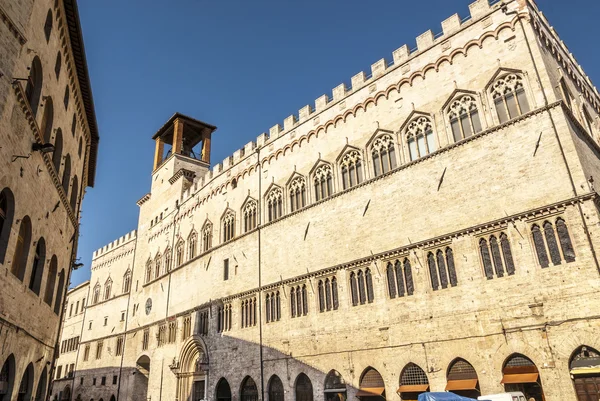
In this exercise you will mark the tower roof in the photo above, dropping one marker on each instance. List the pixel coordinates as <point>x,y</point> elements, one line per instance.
<point>191,122</point>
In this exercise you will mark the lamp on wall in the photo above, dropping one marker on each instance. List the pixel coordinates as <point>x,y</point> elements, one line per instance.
<point>42,148</point>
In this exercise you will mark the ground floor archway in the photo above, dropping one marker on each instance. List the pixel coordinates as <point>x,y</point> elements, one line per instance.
<point>584,367</point>
<point>519,373</point>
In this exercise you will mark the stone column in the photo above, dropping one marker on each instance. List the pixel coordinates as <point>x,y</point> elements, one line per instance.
<point>177,136</point>
<point>158,152</point>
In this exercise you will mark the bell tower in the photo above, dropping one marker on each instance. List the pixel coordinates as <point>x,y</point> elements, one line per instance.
<point>183,136</point>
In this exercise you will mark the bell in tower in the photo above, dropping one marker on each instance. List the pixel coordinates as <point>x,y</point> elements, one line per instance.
<point>183,136</point>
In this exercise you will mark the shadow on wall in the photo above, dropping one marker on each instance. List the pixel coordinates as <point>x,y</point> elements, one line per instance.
<point>232,373</point>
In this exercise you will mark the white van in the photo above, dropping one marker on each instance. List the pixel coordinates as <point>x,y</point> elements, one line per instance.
<point>512,396</point>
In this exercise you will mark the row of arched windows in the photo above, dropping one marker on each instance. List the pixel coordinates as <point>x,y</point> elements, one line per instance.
<point>25,389</point>
<point>23,256</point>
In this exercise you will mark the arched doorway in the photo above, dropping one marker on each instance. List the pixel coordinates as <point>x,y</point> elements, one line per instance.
<point>41,387</point>
<point>26,385</point>
<point>304,388</point>
<point>66,394</point>
<point>192,370</point>
<point>141,376</point>
<point>7,378</point>
<point>462,379</point>
<point>335,387</point>
<point>223,390</point>
<point>372,387</point>
<point>519,373</point>
<point>248,391</point>
<point>112,398</point>
<point>413,381</point>
<point>584,367</point>
<point>275,389</point>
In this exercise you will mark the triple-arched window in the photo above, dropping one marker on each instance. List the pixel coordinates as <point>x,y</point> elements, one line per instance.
<point>383,154</point>
<point>441,268</point>
<point>179,252</point>
<point>323,181</point>
<point>107,288</point>
<point>207,236</point>
<point>275,203</point>
<point>328,294</point>
<point>272,306</point>
<point>228,225</point>
<point>297,193</point>
<point>352,169</point>
<point>248,312</point>
<point>508,93</point>
<point>127,281</point>
<point>464,117</point>
<point>148,270</point>
<point>399,278</point>
<point>192,244</point>
<point>157,265</point>
<point>298,301</point>
<point>420,137</point>
<point>96,296</point>
<point>250,211</point>
<point>496,256</point>
<point>361,287</point>
<point>545,242</point>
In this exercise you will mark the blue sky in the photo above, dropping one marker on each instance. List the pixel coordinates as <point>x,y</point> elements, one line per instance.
<point>243,66</point>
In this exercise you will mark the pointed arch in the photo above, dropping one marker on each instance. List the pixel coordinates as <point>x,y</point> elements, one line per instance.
<point>192,244</point>
<point>223,390</point>
<point>250,213</point>
<point>7,375</point>
<point>371,384</point>
<point>59,291</point>
<point>275,386</point>
<point>413,381</point>
<point>296,187</point>
<point>51,280</point>
<point>66,178</point>
<point>228,224</point>
<point>37,266</point>
<point>7,215</point>
<point>33,89</point>
<point>19,262</point>
<point>303,388</point>
<point>418,131</point>
<point>48,26</point>
<point>519,373</point>
<point>74,194</point>
<point>274,202</point>
<point>207,233</point>
<point>462,114</point>
<point>107,288</point>
<point>382,149</point>
<point>350,162</point>
<point>127,281</point>
<point>26,383</point>
<point>58,148</point>
<point>507,92</point>
<point>42,385</point>
<point>462,379</point>
<point>335,386</point>
<point>47,120</point>
<point>248,390</point>
<point>322,179</point>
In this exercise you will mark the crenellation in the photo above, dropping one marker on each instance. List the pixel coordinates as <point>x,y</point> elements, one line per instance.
<point>238,155</point>
<point>321,103</point>
<point>115,244</point>
<point>451,25</point>
<point>249,147</point>
<point>305,112</point>
<point>262,139</point>
<point>274,131</point>
<point>479,8</point>
<point>289,122</point>
<point>425,40</point>
<point>378,68</point>
<point>400,55</point>
<point>358,80</point>
<point>339,92</point>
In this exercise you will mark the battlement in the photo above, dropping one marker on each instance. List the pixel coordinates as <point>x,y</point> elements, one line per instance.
<point>401,56</point>
<point>115,244</point>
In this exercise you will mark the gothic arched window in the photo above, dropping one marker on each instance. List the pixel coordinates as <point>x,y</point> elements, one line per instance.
<point>179,253</point>
<point>323,182</point>
<point>96,297</point>
<point>192,244</point>
<point>352,169</point>
<point>420,137</point>
<point>19,261</point>
<point>48,25</point>
<point>58,147</point>
<point>58,65</point>
<point>74,193</point>
<point>228,226</point>
<point>297,192</point>
<point>441,268</point>
<point>148,270</point>
<point>168,259</point>
<point>510,100</point>
<point>249,212</point>
<point>304,388</point>
<point>7,214</point>
<point>47,120</point>
<point>399,275</point>
<point>51,281</point>
<point>33,90</point>
<point>157,265</point>
<point>66,178</point>
<point>361,287</point>
<point>127,281</point>
<point>107,289</point>
<point>383,154</point>
<point>207,236</point>
<point>275,203</point>
<point>37,268</point>
<point>464,117</point>
<point>546,243</point>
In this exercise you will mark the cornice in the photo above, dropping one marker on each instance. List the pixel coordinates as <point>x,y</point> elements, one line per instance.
<point>12,27</point>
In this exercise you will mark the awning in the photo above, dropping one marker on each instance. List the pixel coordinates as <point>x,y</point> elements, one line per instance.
<point>413,388</point>
<point>520,378</point>
<point>469,384</point>
<point>335,390</point>
<point>370,391</point>
<point>585,371</point>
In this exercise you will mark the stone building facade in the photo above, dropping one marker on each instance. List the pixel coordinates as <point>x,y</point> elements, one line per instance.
<point>48,146</point>
<point>432,227</point>
<point>70,336</point>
